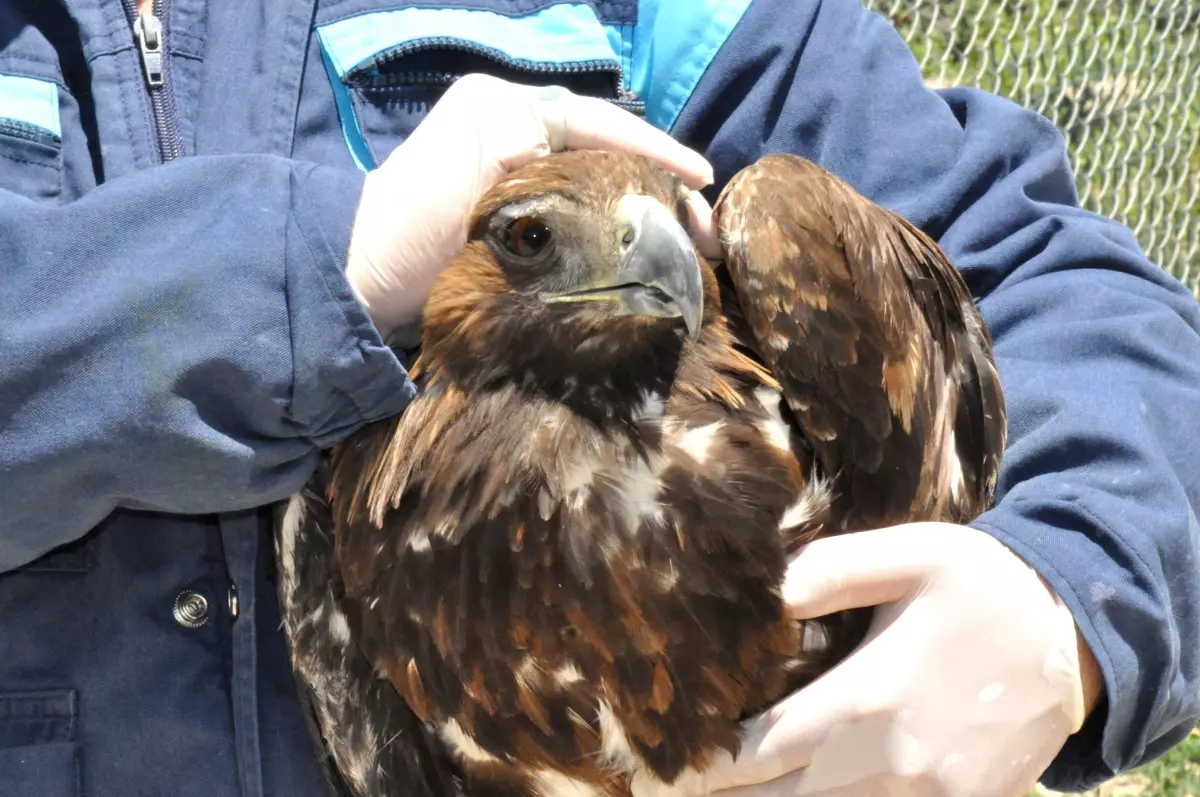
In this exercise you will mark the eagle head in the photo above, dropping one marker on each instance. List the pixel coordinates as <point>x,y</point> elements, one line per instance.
<point>578,278</point>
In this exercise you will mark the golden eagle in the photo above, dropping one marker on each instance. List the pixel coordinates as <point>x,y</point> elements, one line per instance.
<point>558,571</point>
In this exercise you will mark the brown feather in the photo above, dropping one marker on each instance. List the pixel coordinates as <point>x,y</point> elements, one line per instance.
<point>663,691</point>
<point>415,693</point>
<point>882,354</point>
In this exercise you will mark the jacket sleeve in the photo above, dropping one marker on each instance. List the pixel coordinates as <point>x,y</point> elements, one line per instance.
<point>181,340</point>
<point>1098,348</point>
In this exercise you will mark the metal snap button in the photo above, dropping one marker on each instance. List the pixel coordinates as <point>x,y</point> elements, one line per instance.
<point>191,609</point>
<point>234,606</point>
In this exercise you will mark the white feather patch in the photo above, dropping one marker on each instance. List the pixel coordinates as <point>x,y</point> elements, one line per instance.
<point>338,627</point>
<point>568,674</point>
<point>548,783</point>
<point>816,497</point>
<point>954,465</point>
<point>697,443</point>
<point>616,754</point>
<point>418,541</point>
<point>651,407</point>
<point>774,428</point>
<point>638,486</point>
<point>466,747</point>
<point>293,516</point>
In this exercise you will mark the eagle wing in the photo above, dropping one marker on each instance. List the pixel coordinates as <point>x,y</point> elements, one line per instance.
<point>883,357</point>
<point>370,743</point>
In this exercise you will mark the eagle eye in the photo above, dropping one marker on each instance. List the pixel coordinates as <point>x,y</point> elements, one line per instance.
<point>526,237</point>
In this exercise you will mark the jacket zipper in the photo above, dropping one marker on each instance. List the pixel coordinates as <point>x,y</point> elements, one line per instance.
<point>149,33</point>
<point>369,76</point>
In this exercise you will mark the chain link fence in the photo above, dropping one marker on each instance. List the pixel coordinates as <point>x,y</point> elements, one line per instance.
<point>1120,78</point>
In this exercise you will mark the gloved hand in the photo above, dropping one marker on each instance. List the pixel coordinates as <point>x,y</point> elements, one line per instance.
<point>412,218</point>
<point>971,679</point>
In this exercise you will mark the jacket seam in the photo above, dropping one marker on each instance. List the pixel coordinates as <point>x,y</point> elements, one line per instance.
<point>52,166</point>
<point>122,90</point>
<point>74,718</point>
<point>284,137</point>
<point>291,328</point>
<point>17,60</point>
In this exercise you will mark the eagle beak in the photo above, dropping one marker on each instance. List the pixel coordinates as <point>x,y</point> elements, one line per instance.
<point>659,263</point>
<point>659,271</point>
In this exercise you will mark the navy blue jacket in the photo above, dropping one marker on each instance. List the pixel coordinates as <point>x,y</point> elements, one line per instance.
<point>177,340</point>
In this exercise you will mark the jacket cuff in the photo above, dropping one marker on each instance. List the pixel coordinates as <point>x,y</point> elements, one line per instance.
<point>344,374</point>
<point>1043,532</point>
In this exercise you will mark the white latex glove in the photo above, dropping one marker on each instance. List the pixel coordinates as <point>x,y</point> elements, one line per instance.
<point>415,207</point>
<point>970,681</point>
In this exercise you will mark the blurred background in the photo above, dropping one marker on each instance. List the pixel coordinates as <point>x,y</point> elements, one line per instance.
<point>1120,78</point>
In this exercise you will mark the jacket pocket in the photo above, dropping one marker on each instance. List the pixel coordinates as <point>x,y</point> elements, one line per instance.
<point>39,756</point>
<point>30,137</point>
<point>388,68</point>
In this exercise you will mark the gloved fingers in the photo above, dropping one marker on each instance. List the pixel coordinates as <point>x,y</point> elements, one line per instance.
<point>511,124</point>
<point>703,227</point>
<point>551,104</point>
<point>785,737</point>
<point>811,782</point>
<point>572,121</point>
<point>965,684</point>
<point>787,785</point>
<point>852,571</point>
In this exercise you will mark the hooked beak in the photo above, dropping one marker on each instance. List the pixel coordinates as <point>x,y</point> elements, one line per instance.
<point>659,272</point>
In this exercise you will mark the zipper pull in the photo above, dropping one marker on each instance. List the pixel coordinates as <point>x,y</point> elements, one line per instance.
<point>148,31</point>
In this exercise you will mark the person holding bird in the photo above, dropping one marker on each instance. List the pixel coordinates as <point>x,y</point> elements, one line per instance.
<point>220,224</point>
